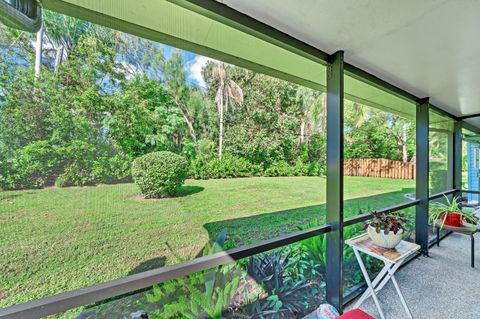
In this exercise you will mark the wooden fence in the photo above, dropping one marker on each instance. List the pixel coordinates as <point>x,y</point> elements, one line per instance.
<point>379,167</point>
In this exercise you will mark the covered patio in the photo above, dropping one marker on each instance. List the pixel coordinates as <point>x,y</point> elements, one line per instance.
<point>419,60</point>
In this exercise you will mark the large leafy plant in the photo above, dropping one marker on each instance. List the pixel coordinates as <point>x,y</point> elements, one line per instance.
<point>284,295</point>
<point>202,295</point>
<point>205,294</point>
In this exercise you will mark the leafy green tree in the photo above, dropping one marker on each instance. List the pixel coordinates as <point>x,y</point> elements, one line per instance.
<point>144,118</point>
<point>51,124</point>
<point>175,80</point>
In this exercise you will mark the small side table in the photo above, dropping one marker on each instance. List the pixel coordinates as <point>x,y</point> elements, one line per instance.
<point>392,259</point>
<point>466,229</point>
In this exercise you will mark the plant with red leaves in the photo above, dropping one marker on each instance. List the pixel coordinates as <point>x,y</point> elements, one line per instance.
<point>387,222</point>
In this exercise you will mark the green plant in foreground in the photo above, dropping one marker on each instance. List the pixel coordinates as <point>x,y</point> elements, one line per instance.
<point>159,174</point>
<point>439,211</point>
<point>205,294</point>
<point>316,247</point>
<point>285,294</point>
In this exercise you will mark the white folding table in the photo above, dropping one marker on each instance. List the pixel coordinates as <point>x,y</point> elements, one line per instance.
<point>392,259</point>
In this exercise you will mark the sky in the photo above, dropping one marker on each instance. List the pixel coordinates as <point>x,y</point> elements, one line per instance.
<point>193,65</point>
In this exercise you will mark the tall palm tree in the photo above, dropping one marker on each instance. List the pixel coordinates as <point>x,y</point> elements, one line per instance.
<point>228,93</point>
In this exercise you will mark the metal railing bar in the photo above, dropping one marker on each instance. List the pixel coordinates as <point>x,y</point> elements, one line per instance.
<point>366,216</point>
<point>445,193</point>
<point>84,296</point>
<point>469,191</point>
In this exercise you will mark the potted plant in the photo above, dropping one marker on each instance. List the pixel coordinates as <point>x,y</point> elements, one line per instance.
<point>449,214</point>
<point>386,229</point>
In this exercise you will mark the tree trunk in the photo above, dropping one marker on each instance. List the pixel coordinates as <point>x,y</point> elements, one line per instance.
<point>302,133</point>
<point>322,122</point>
<point>191,129</point>
<point>404,144</point>
<point>220,138</point>
<point>59,58</point>
<point>38,51</point>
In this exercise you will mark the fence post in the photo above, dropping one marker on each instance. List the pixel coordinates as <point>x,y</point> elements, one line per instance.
<point>422,167</point>
<point>335,112</point>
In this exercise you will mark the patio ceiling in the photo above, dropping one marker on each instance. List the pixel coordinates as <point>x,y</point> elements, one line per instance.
<point>428,48</point>
<point>406,43</point>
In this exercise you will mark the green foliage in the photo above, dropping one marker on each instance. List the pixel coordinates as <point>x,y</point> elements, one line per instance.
<point>372,133</point>
<point>228,167</point>
<point>88,164</point>
<point>206,294</point>
<point>51,124</point>
<point>159,174</point>
<point>286,294</point>
<point>144,118</point>
<point>280,168</point>
<point>31,167</point>
<point>315,248</point>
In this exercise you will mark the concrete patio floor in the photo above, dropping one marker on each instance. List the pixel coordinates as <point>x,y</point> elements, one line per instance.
<point>440,286</point>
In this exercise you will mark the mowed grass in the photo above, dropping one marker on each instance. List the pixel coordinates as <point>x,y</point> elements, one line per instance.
<point>54,240</point>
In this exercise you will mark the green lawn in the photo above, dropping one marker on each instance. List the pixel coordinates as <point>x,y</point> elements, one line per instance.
<point>53,240</point>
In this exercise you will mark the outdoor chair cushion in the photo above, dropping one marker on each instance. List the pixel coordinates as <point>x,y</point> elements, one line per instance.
<point>355,314</point>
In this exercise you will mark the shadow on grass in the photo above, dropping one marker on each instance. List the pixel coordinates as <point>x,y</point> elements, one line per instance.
<point>252,229</point>
<point>182,192</point>
<point>149,265</point>
<point>189,190</point>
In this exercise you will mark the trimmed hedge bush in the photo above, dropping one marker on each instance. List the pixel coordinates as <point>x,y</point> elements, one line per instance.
<point>159,174</point>
<point>229,166</point>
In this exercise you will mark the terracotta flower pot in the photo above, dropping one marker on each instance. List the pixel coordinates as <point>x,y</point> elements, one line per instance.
<point>451,219</point>
<point>386,241</point>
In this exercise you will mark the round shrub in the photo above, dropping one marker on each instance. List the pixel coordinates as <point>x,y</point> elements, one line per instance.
<point>159,174</point>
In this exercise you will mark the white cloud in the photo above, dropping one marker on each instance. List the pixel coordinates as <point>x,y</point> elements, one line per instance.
<point>195,70</point>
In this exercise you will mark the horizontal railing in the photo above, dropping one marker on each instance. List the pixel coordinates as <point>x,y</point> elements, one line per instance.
<point>442,194</point>
<point>89,295</point>
<point>366,216</point>
<point>470,191</point>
